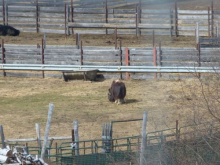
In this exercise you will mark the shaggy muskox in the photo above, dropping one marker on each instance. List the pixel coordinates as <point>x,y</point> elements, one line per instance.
<point>117,92</point>
<point>8,30</point>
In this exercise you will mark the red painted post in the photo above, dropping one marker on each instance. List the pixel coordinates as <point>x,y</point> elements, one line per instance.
<point>127,62</point>
<point>155,60</point>
<point>3,56</point>
<point>42,54</point>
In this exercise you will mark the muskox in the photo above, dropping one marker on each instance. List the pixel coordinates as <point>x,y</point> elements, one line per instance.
<point>8,30</point>
<point>117,92</point>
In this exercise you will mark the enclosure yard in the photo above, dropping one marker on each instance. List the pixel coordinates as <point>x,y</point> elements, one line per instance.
<point>24,102</point>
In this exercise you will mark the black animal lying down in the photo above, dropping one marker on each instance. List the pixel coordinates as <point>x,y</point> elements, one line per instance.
<point>8,30</point>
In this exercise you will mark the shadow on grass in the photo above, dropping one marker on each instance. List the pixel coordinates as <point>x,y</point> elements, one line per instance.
<point>128,101</point>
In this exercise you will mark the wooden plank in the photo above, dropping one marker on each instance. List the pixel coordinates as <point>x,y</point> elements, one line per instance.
<point>102,63</point>
<point>37,126</point>
<point>147,11</point>
<point>155,16</point>
<point>100,52</point>
<point>87,16</point>
<point>179,58</point>
<point>47,129</point>
<point>144,139</point>
<point>193,12</point>
<point>101,58</point>
<point>2,137</point>
<point>101,25</point>
<point>51,31</point>
<point>88,11</point>
<point>197,17</point>
<point>204,28</point>
<point>23,62</point>
<point>21,14</point>
<point>154,26</point>
<point>51,15</point>
<point>51,62</point>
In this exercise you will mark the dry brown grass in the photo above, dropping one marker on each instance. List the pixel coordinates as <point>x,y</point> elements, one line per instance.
<point>24,102</point>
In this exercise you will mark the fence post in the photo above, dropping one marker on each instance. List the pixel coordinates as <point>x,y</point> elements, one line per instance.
<point>159,60</point>
<point>6,13</point>
<point>77,40</point>
<point>37,126</point>
<point>73,140</point>
<point>116,38</point>
<point>127,62</point>
<point>72,13</point>
<point>199,58</point>
<point>144,139</point>
<point>136,21</point>
<point>197,32</point>
<point>2,137</point>
<point>81,59</point>
<point>37,15</point>
<point>177,131</point>
<point>153,39</point>
<point>3,11</point>
<point>120,57</point>
<point>106,138</point>
<point>65,17</point>
<point>208,21</point>
<point>106,16</point>
<point>176,20</point>
<point>76,135</point>
<point>171,28</point>
<point>212,20</point>
<point>50,112</point>
<point>155,59</point>
<point>42,55</point>
<point>3,56</point>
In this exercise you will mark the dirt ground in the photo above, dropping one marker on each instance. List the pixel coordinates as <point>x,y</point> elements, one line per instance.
<point>24,101</point>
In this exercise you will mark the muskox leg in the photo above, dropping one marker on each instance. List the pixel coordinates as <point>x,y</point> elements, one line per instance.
<point>122,101</point>
<point>116,101</point>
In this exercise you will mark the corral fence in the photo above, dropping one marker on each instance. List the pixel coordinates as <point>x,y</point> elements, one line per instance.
<point>162,146</point>
<point>107,56</point>
<point>104,16</point>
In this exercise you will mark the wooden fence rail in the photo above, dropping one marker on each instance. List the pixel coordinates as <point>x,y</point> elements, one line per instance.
<point>107,56</point>
<point>38,16</point>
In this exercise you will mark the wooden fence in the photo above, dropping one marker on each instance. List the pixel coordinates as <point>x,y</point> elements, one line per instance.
<point>81,16</point>
<point>106,56</point>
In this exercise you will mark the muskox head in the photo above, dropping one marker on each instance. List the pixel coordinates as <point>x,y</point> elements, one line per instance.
<point>110,95</point>
<point>117,92</point>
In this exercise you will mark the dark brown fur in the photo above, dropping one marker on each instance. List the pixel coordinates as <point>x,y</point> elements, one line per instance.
<point>117,91</point>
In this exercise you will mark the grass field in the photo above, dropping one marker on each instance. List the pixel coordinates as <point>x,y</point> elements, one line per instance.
<point>25,101</point>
